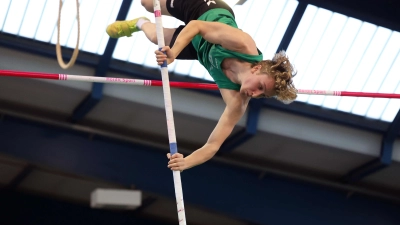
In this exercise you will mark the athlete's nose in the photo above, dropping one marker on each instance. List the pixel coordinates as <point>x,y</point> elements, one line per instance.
<point>256,93</point>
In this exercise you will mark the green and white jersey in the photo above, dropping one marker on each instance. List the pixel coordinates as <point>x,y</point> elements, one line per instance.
<point>211,55</point>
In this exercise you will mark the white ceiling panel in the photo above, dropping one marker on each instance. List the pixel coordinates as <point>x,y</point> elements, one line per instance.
<point>4,9</point>
<point>48,22</point>
<point>330,51</point>
<point>15,16</point>
<point>34,13</point>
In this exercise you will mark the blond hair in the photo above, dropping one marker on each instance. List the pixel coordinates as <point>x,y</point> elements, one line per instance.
<point>283,72</point>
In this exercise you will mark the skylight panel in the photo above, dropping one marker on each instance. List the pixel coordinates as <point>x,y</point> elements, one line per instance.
<point>303,60</point>
<point>140,49</point>
<point>392,108</point>
<point>378,74</point>
<point>124,48</point>
<point>378,108</point>
<point>268,24</point>
<point>301,33</point>
<point>241,12</point>
<point>32,17</point>
<point>183,66</point>
<point>48,21</point>
<point>150,57</point>
<point>357,48</point>
<point>15,16</point>
<point>208,77</point>
<point>279,30</point>
<point>368,61</point>
<point>251,23</point>
<point>324,42</point>
<point>4,7</point>
<point>346,54</point>
<point>338,38</point>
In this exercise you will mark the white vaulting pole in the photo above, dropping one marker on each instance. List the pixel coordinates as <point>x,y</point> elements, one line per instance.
<point>169,113</point>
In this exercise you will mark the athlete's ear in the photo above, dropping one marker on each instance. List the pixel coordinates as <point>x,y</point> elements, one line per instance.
<point>255,68</point>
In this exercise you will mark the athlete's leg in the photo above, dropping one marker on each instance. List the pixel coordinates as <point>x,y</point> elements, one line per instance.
<point>126,28</point>
<point>150,31</point>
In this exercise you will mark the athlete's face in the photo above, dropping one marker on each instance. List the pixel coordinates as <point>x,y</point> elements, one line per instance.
<point>257,85</point>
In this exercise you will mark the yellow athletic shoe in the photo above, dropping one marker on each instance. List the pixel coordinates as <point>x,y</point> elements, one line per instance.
<point>123,28</point>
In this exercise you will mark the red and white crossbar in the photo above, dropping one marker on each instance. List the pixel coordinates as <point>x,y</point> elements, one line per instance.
<point>116,80</point>
<point>175,84</point>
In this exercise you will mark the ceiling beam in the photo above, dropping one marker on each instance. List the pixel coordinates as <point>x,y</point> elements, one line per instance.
<point>385,158</point>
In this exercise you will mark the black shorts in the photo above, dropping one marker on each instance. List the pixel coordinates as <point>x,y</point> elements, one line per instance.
<point>187,10</point>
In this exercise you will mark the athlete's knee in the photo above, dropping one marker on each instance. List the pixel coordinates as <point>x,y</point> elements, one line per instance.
<point>148,5</point>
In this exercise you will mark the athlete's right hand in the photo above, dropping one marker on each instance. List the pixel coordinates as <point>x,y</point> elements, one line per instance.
<point>176,162</point>
<point>168,55</point>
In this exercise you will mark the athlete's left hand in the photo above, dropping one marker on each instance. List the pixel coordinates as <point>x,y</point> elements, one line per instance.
<point>168,55</point>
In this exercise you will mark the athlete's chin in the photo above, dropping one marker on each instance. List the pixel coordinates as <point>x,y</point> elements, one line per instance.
<point>243,91</point>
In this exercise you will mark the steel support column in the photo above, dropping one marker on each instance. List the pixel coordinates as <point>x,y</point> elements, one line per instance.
<point>97,88</point>
<point>292,27</point>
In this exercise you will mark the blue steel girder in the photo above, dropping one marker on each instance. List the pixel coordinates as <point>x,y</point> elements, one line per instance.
<point>96,94</point>
<point>385,158</point>
<point>229,190</point>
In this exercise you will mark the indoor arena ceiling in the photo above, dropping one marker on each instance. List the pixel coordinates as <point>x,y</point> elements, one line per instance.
<point>64,138</point>
<point>330,50</point>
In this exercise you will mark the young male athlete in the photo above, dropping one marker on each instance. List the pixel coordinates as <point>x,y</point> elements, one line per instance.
<point>211,36</point>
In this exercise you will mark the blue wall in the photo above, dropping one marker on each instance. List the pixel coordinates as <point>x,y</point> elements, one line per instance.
<point>229,190</point>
